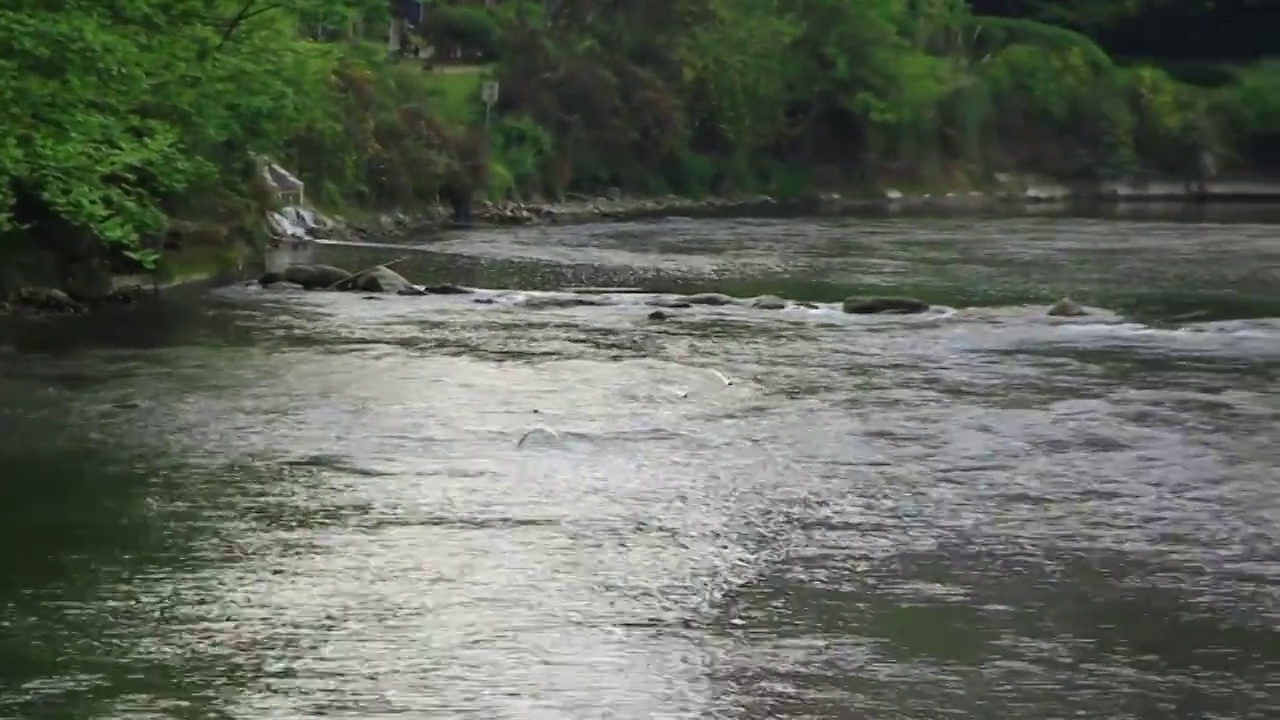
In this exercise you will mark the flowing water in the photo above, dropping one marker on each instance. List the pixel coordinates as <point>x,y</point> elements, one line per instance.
<point>256,504</point>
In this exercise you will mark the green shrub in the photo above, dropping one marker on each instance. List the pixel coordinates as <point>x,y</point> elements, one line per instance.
<point>1167,117</point>
<point>1050,85</point>
<point>992,34</point>
<point>691,174</point>
<point>1250,108</point>
<point>472,31</point>
<point>1108,150</point>
<point>379,144</point>
<point>523,150</point>
<point>501,184</point>
<point>1191,72</point>
<point>507,14</point>
<point>786,180</point>
<point>1252,102</point>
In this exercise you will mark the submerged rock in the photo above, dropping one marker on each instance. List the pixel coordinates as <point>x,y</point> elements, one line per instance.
<point>1066,307</point>
<point>282,285</point>
<point>448,289</point>
<point>559,301</point>
<point>603,290</point>
<point>658,315</point>
<point>769,302</point>
<point>884,306</point>
<point>710,299</point>
<point>667,302</point>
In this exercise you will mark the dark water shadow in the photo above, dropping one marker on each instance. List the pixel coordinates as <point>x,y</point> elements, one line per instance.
<point>965,632</point>
<point>91,534</point>
<point>184,318</point>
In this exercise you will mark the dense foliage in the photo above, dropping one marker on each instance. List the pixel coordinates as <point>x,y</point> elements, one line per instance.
<point>705,95</point>
<point>117,114</point>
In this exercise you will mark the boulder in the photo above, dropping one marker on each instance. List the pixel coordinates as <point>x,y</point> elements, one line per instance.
<point>884,305</point>
<point>769,302</point>
<point>658,315</point>
<point>310,277</point>
<point>382,280</point>
<point>47,299</point>
<point>1066,307</point>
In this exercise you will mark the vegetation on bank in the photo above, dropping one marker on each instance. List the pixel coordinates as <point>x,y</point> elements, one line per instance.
<point>120,116</point>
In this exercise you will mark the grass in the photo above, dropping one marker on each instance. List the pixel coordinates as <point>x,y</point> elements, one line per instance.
<point>455,90</point>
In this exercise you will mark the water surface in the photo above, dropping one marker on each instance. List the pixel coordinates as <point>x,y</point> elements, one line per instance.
<point>252,504</point>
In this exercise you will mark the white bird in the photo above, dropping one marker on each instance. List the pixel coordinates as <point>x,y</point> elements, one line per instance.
<point>534,431</point>
<point>722,376</point>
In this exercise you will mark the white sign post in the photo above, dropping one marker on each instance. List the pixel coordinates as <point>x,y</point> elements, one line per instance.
<point>488,93</point>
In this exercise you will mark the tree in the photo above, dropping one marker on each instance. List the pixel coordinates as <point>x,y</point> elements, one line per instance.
<point>111,107</point>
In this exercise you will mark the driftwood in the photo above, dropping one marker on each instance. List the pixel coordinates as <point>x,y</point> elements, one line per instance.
<point>365,271</point>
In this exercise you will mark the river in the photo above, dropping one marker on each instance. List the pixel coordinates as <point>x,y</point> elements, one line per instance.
<point>252,504</point>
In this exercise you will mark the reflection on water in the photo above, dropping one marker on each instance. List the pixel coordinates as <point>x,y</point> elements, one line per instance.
<point>267,505</point>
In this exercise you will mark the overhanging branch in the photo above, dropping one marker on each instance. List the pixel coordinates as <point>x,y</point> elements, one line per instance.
<point>246,13</point>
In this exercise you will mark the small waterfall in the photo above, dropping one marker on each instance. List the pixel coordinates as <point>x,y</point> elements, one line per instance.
<point>295,220</point>
<point>292,221</point>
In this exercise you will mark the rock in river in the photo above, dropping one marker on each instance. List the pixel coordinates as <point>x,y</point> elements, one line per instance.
<point>666,302</point>
<point>448,289</point>
<point>282,285</point>
<point>710,299</point>
<point>311,277</point>
<point>545,302</point>
<point>47,299</point>
<point>884,305</point>
<point>769,302</point>
<point>382,280</point>
<point>1066,307</point>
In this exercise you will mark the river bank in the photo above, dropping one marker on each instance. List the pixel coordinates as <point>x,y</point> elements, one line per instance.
<point>37,290</point>
<point>1008,193</point>
<point>201,260</point>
